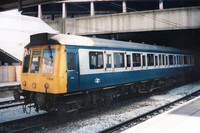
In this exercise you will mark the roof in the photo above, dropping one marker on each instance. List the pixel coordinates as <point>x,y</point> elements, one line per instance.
<point>8,58</point>
<point>50,39</point>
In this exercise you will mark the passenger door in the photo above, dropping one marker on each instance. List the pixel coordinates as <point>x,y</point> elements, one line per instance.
<point>73,74</point>
<point>108,56</point>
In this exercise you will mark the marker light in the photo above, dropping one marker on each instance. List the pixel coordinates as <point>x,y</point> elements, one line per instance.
<point>46,85</point>
<point>24,83</point>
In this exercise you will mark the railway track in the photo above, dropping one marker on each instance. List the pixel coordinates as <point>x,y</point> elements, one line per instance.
<point>40,122</point>
<point>10,103</point>
<point>143,117</point>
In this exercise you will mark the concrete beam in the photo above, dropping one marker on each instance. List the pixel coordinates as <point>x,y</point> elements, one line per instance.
<point>156,20</point>
<point>40,11</point>
<point>160,4</point>
<point>92,10</point>
<point>64,11</point>
<point>124,6</point>
<point>166,19</point>
<point>19,5</point>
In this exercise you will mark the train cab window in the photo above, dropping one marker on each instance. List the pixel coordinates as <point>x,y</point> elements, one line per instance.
<point>128,61</point>
<point>109,61</point>
<point>26,61</point>
<point>150,59</point>
<point>118,60</point>
<point>136,60</point>
<point>71,62</point>
<point>171,59</point>
<point>96,60</point>
<point>48,61</point>
<point>35,63</point>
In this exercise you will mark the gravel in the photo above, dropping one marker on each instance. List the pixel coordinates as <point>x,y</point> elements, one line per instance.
<point>98,121</point>
<point>14,113</point>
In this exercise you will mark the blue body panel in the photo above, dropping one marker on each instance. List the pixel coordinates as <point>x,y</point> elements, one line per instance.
<point>112,79</point>
<point>91,81</point>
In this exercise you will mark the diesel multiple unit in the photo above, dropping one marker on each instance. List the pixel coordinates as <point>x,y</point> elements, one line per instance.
<point>74,72</point>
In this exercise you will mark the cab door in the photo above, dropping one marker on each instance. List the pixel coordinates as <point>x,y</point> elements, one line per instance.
<point>72,69</point>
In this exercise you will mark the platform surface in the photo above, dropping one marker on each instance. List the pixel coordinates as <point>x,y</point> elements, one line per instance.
<point>6,84</point>
<point>183,119</point>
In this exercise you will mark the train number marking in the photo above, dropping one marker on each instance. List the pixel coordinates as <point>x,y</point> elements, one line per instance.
<point>49,78</point>
<point>97,80</point>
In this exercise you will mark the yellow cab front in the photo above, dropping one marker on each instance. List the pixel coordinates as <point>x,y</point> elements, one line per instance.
<point>44,69</point>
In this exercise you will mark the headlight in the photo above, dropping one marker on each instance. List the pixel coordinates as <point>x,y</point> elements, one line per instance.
<point>24,83</point>
<point>46,85</point>
<point>34,85</point>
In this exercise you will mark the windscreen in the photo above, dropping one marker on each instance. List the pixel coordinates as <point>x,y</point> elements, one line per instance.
<point>48,61</point>
<point>26,61</point>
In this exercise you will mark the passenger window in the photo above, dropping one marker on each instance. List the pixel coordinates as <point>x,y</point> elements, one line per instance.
<point>136,60</point>
<point>96,60</point>
<point>163,59</point>
<point>185,60</point>
<point>118,60</point>
<point>156,60</point>
<point>188,57</point>
<point>150,59</point>
<point>171,62</point>
<point>166,60</point>
<point>175,62</point>
<point>35,64</point>
<point>143,60</point>
<point>160,60</point>
<point>109,61</point>
<point>26,61</point>
<point>128,60</point>
<point>48,61</point>
<point>192,59</point>
<point>71,61</point>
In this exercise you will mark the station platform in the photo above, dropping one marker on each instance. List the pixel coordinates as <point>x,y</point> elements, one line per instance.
<point>182,119</point>
<point>5,86</point>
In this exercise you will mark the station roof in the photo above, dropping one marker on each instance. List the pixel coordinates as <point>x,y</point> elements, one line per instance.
<point>13,4</point>
<point>8,58</point>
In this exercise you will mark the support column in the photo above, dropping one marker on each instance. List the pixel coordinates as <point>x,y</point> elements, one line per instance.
<point>160,4</point>
<point>92,11</point>
<point>124,6</point>
<point>40,11</point>
<point>64,11</point>
<point>19,5</point>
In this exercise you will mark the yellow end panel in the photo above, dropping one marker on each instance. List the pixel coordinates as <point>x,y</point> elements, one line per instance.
<point>55,83</point>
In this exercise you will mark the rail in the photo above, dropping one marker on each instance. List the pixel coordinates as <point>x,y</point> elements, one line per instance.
<point>148,115</point>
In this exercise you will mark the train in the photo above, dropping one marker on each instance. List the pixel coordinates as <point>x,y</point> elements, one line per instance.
<point>68,72</point>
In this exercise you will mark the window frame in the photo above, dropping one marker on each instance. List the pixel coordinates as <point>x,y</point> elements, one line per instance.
<point>115,61</point>
<point>140,59</point>
<point>74,68</point>
<point>97,53</point>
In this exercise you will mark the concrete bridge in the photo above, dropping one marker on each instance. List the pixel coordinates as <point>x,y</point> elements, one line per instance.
<point>154,20</point>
